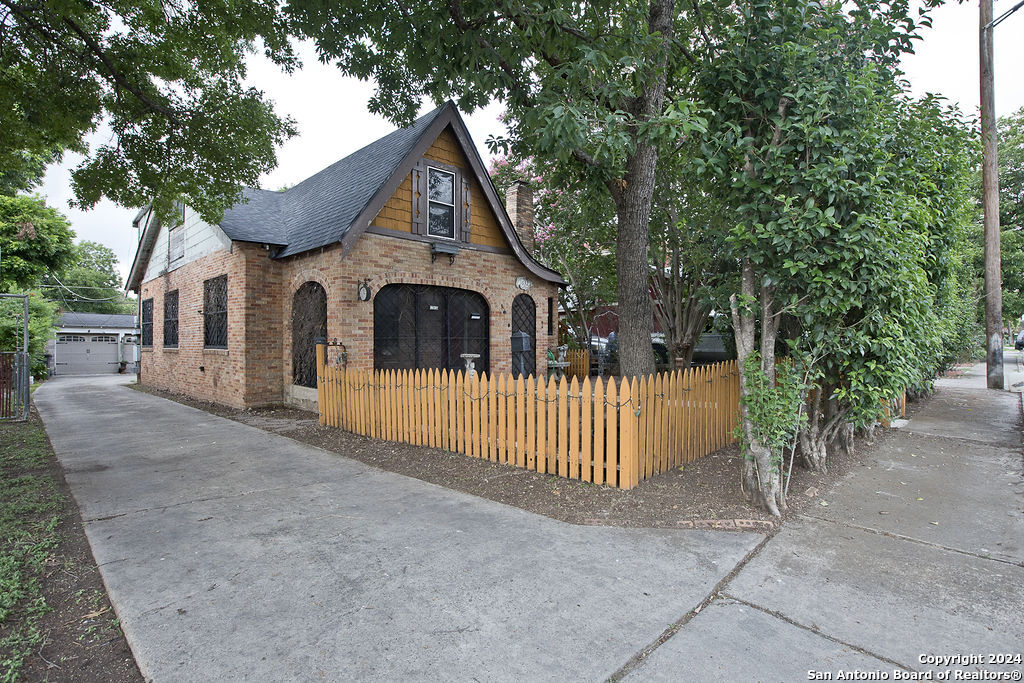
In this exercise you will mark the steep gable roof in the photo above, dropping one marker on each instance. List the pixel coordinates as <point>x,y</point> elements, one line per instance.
<point>338,203</point>
<point>321,209</point>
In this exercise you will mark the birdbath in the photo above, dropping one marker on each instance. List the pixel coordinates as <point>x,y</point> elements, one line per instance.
<point>470,360</point>
<point>557,367</point>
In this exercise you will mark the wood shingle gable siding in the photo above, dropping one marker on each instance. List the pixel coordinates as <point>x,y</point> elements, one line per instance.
<point>397,211</point>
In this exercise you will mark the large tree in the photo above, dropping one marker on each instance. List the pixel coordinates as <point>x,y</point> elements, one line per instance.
<point>584,84</point>
<point>34,239</point>
<point>166,80</point>
<point>803,150</point>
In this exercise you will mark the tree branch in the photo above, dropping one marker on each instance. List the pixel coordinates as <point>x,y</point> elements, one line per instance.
<point>517,83</point>
<point>119,78</point>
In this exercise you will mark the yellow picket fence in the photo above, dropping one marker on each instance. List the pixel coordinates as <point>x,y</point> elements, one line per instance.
<point>579,363</point>
<point>616,434</point>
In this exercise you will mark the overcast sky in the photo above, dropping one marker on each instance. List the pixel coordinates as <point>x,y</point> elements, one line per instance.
<point>333,122</point>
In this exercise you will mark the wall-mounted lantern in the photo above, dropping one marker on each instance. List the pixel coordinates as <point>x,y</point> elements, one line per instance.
<point>442,248</point>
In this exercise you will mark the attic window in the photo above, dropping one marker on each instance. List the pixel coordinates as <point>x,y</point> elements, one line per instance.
<point>441,203</point>
<point>176,243</point>
<point>176,235</point>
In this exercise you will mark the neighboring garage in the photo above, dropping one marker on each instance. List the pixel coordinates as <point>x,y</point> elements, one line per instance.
<point>94,344</point>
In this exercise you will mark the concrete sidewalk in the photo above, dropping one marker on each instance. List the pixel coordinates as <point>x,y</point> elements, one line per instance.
<point>918,553</point>
<point>235,554</point>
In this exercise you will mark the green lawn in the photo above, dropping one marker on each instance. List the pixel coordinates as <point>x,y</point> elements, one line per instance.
<point>30,507</point>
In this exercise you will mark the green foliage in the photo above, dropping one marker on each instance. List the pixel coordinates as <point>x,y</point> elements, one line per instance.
<point>848,196</point>
<point>92,284</point>
<point>774,407</point>
<point>34,239</point>
<point>24,172</point>
<point>42,316</point>
<point>569,74</point>
<point>1011,218</point>
<point>692,269</point>
<point>171,94</point>
<point>1011,171</point>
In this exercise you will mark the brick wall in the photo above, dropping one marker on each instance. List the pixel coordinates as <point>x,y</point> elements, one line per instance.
<point>256,367</point>
<point>245,373</point>
<point>386,260</point>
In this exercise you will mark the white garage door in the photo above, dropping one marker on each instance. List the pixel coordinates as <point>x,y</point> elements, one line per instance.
<point>86,354</point>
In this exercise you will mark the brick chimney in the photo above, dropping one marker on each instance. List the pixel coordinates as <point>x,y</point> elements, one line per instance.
<point>519,204</point>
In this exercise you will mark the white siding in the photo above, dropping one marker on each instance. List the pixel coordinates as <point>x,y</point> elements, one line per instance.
<point>201,238</point>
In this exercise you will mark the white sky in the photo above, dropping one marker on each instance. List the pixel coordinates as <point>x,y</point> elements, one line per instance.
<point>333,121</point>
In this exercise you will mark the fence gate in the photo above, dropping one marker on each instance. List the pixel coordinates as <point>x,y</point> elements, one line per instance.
<point>14,366</point>
<point>14,385</point>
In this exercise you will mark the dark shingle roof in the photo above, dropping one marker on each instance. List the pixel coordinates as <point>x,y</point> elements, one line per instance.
<point>97,320</point>
<point>320,210</point>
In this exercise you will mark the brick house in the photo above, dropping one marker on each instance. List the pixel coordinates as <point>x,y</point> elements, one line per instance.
<point>402,251</point>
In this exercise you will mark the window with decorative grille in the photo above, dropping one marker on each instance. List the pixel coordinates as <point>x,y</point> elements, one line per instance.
<point>147,322</point>
<point>171,318</point>
<point>215,313</point>
<point>524,319</point>
<point>420,326</point>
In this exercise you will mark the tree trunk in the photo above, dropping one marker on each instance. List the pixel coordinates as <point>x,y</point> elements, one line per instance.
<point>633,196</point>
<point>678,309</point>
<point>826,424</point>
<point>812,447</point>
<point>761,475</point>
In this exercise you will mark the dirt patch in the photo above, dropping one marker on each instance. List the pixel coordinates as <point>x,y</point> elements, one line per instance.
<point>958,370</point>
<point>701,494</point>
<point>62,626</point>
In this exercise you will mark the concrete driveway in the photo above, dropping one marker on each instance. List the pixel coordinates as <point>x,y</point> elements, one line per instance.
<point>235,554</point>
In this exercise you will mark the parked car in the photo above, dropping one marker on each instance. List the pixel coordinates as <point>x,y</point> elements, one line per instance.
<point>1019,342</point>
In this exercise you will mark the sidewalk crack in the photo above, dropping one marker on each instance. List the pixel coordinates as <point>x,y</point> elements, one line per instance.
<point>911,539</point>
<point>674,628</point>
<point>812,629</point>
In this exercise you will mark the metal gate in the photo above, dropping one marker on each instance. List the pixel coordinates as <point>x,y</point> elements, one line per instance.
<point>14,385</point>
<point>421,326</point>
<point>14,369</point>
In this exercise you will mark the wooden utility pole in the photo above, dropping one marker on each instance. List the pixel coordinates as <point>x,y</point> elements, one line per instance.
<point>990,201</point>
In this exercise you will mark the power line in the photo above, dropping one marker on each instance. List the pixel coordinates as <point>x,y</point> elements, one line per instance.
<point>1002,17</point>
<point>79,297</point>
<point>49,286</point>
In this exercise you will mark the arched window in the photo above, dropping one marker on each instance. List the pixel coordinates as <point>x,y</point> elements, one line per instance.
<point>419,326</point>
<point>524,320</point>
<point>309,325</point>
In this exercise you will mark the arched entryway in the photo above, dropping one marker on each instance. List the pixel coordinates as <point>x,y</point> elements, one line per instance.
<point>524,319</point>
<point>421,326</point>
<point>309,323</point>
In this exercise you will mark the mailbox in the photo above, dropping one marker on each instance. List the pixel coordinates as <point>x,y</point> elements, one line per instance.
<point>520,342</point>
